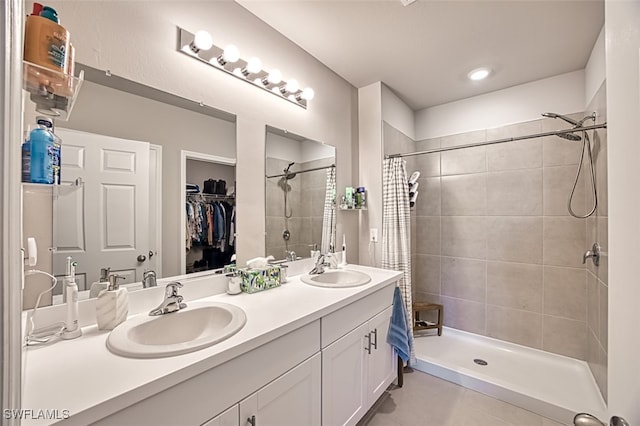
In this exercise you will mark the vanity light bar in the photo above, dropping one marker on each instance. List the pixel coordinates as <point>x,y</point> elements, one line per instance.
<point>200,46</point>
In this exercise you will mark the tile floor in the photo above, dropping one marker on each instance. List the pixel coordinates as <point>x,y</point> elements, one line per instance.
<point>425,400</point>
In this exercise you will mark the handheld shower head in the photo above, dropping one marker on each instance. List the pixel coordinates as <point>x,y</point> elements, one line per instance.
<point>562,117</point>
<point>287,174</point>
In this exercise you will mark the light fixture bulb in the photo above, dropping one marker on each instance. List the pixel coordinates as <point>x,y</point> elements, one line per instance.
<point>479,74</point>
<point>308,93</point>
<point>254,66</point>
<point>231,54</point>
<point>275,77</point>
<point>292,86</point>
<point>202,40</point>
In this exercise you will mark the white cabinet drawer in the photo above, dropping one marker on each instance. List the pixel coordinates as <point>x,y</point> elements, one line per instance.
<point>342,321</point>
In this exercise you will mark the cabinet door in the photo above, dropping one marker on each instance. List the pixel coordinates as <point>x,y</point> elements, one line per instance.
<point>382,362</point>
<point>227,418</point>
<point>344,379</point>
<point>292,399</point>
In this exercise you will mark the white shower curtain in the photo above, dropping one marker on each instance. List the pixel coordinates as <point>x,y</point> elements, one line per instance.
<point>329,216</point>
<point>396,237</point>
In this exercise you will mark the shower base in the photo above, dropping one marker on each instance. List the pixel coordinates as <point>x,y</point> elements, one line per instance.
<point>553,386</point>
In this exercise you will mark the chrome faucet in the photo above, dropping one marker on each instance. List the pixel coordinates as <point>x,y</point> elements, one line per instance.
<point>291,255</point>
<point>149,279</point>
<point>320,264</point>
<point>172,302</point>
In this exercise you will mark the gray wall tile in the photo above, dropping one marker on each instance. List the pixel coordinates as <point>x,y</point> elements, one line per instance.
<point>565,337</point>
<point>464,314</point>
<point>464,236</point>
<point>557,185</point>
<point>565,292</point>
<point>517,193</point>
<point>515,285</point>
<point>564,241</point>
<point>426,273</point>
<point>464,195</point>
<point>522,327</point>
<point>514,239</point>
<point>427,235</point>
<point>464,278</point>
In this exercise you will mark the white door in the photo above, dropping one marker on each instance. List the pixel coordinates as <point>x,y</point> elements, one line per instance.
<point>292,399</point>
<point>382,362</point>
<point>102,223</point>
<point>344,379</point>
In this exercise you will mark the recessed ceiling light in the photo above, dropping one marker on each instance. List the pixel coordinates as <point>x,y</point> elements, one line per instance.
<point>479,74</point>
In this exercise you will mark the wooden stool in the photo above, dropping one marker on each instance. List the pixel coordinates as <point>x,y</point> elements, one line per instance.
<point>422,307</point>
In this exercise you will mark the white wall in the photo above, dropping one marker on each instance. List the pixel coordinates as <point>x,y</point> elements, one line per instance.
<point>595,71</point>
<point>370,155</point>
<point>563,94</point>
<point>622,35</point>
<point>146,52</point>
<point>397,113</point>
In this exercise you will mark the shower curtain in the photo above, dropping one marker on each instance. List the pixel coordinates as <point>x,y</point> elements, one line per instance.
<point>396,222</point>
<point>329,216</point>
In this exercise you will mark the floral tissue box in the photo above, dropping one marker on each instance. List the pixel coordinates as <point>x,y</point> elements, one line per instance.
<point>254,280</point>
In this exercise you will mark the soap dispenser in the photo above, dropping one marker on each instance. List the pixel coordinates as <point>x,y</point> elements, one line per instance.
<point>112,306</point>
<point>103,284</point>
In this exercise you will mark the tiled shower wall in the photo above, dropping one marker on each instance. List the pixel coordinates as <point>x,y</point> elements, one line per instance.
<point>305,202</point>
<point>493,242</point>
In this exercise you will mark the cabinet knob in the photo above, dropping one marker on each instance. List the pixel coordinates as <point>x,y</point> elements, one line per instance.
<point>252,420</point>
<point>375,338</point>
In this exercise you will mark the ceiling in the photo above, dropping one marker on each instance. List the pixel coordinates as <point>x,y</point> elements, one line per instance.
<point>424,51</point>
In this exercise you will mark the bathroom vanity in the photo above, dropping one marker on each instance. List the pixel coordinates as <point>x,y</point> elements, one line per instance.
<point>307,355</point>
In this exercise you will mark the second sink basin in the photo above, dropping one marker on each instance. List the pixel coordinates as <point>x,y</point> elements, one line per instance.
<point>200,325</point>
<point>337,278</point>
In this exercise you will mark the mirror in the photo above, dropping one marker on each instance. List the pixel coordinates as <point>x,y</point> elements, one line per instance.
<point>300,189</point>
<point>123,144</point>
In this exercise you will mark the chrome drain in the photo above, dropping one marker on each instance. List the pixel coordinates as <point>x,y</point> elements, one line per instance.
<point>480,361</point>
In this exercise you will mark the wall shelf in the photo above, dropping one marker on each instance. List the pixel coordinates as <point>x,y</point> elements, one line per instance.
<point>54,93</point>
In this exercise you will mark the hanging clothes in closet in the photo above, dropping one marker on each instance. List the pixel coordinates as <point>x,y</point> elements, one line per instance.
<point>211,226</point>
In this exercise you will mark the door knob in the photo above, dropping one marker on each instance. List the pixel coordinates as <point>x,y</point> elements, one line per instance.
<point>141,258</point>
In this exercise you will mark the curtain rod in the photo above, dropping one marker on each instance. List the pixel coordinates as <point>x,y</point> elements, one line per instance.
<point>516,138</point>
<point>302,171</point>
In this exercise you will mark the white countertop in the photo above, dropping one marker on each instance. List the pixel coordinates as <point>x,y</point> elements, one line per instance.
<point>83,377</point>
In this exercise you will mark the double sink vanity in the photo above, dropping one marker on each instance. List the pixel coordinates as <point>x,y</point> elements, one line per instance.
<point>310,352</point>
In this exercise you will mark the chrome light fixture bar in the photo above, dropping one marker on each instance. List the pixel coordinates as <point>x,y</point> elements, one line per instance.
<point>201,46</point>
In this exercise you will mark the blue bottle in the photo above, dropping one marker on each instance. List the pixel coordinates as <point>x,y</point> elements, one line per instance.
<point>42,153</point>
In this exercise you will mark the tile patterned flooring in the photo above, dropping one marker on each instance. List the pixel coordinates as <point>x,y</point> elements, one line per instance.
<point>425,400</point>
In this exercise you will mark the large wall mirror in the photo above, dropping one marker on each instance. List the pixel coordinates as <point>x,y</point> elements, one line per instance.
<point>300,190</point>
<point>125,146</point>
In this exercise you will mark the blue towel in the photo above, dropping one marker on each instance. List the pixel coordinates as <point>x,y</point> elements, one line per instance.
<point>399,335</point>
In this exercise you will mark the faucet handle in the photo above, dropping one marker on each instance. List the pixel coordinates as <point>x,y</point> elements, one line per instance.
<point>172,288</point>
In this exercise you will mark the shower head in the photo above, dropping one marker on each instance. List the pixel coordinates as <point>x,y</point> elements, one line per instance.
<point>562,117</point>
<point>570,120</point>
<point>287,174</point>
<point>569,136</point>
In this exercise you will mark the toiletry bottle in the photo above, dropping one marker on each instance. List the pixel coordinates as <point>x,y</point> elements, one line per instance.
<point>361,199</point>
<point>46,44</point>
<point>26,158</point>
<point>57,147</point>
<point>112,306</point>
<point>103,284</point>
<point>72,328</point>
<point>42,150</point>
<point>349,194</point>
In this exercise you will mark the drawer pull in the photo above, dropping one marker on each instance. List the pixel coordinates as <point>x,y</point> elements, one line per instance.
<point>368,347</point>
<point>375,338</point>
<point>252,420</point>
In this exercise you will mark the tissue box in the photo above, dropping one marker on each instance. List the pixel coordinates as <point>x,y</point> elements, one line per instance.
<point>254,280</point>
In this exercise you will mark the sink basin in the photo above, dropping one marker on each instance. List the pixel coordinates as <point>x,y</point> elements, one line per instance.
<point>338,278</point>
<point>196,327</point>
